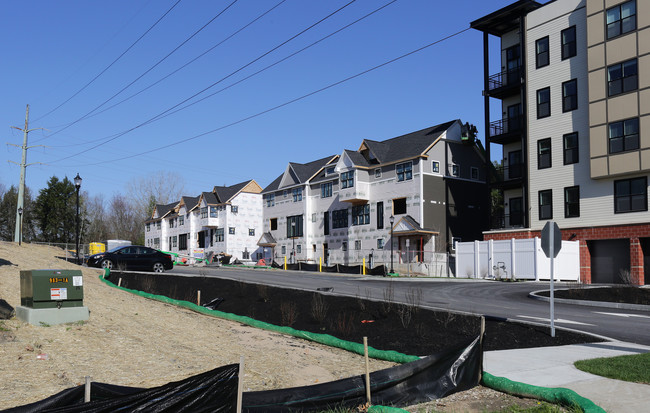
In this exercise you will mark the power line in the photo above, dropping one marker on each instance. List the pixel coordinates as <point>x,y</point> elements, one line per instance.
<point>150,69</point>
<point>113,62</point>
<point>347,79</point>
<point>279,61</point>
<point>207,88</point>
<point>185,65</point>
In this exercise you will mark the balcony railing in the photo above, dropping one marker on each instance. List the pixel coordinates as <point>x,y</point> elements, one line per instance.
<point>507,173</point>
<point>506,78</point>
<point>512,125</point>
<point>502,221</point>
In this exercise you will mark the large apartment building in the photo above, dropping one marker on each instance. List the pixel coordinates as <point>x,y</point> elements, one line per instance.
<point>227,220</point>
<point>573,93</point>
<point>426,188</point>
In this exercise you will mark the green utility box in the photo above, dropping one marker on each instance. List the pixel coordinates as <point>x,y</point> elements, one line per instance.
<point>51,289</point>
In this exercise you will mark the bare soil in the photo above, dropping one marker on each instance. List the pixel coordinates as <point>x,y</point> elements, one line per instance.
<point>133,341</point>
<point>615,294</point>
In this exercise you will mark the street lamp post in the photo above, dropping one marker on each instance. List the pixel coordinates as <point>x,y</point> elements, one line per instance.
<point>20,226</point>
<point>391,220</point>
<point>77,185</point>
<point>293,242</point>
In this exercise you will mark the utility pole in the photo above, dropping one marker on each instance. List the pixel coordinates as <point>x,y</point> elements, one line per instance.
<point>18,237</point>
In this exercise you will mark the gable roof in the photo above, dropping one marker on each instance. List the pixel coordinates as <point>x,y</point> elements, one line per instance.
<point>407,225</point>
<point>225,194</point>
<point>189,202</point>
<point>403,147</point>
<point>162,210</point>
<point>298,173</point>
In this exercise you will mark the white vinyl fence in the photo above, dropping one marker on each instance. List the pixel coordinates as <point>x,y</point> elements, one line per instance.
<point>521,259</point>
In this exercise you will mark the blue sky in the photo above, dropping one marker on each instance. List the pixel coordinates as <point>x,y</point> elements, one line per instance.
<point>57,48</point>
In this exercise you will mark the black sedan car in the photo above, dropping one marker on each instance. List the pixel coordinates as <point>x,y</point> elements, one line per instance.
<point>132,257</point>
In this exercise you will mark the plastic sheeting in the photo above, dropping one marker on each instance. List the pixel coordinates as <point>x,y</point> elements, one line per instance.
<point>432,377</point>
<point>425,379</point>
<point>212,391</point>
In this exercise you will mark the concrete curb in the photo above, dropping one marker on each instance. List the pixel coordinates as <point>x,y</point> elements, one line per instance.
<point>622,306</point>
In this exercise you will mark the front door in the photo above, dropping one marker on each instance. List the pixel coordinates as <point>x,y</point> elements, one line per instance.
<point>513,63</point>
<point>201,239</point>
<point>326,254</point>
<point>514,164</point>
<point>516,211</point>
<point>514,118</point>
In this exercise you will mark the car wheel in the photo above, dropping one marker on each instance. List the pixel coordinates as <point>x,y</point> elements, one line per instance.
<point>107,264</point>
<point>158,267</point>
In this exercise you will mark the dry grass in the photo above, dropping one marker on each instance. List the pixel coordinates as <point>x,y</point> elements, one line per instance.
<point>134,341</point>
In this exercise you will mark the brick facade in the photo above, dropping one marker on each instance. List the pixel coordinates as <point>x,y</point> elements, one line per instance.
<point>632,232</point>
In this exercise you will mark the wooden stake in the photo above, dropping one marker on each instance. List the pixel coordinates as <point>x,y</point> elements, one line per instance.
<point>87,389</point>
<point>365,352</point>
<point>240,385</point>
<point>119,282</point>
<point>480,340</point>
<point>198,297</point>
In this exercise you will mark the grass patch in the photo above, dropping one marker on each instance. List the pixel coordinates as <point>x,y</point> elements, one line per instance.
<point>634,368</point>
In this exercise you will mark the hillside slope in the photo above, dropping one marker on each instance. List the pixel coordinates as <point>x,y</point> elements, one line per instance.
<point>133,341</point>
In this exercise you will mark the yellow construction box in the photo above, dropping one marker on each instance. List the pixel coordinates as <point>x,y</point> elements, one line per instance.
<point>96,248</point>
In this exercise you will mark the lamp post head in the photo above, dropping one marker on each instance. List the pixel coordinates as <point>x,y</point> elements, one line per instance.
<point>391,219</point>
<point>77,181</point>
<point>20,211</point>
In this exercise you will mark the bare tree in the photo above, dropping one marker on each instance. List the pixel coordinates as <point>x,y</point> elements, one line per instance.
<point>95,219</point>
<point>162,187</point>
<point>124,222</point>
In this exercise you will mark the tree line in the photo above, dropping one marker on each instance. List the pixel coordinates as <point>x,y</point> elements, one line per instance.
<point>51,215</point>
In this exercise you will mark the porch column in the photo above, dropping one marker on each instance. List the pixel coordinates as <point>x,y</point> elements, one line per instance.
<point>636,261</point>
<point>585,262</point>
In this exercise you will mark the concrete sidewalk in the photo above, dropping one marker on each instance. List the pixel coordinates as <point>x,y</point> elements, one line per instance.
<point>553,367</point>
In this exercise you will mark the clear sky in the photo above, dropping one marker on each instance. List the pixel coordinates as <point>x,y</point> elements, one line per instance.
<point>100,94</point>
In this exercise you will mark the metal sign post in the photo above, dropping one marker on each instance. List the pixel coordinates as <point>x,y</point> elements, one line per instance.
<point>551,245</point>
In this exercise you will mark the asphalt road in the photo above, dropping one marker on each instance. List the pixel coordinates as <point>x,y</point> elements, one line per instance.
<point>490,298</point>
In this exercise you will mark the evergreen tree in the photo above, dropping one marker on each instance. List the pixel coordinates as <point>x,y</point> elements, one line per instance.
<point>8,201</point>
<point>56,211</point>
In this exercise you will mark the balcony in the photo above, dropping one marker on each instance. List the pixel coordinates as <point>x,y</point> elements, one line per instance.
<point>359,193</point>
<point>505,84</point>
<point>508,177</point>
<point>507,130</point>
<point>505,221</point>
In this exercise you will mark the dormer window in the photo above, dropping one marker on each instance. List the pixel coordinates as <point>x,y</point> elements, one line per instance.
<point>330,171</point>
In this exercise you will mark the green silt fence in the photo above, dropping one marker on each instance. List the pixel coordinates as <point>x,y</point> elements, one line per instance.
<point>561,396</point>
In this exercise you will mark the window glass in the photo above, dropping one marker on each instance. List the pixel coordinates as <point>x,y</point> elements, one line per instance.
<point>435,166</point>
<point>544,153</point>
<point>622,77</point>
<point>570,148</point>
<point>621,19</point>
<point>570,95</point>
<point>631,195</point>
<point>572,202</point>
<point>347,179</point>
<point>568,42</point>
<point>624,135</point>
<point>544,102</point>
<point>546,204</point>
<point>541,51</point>
<point>404,171</point>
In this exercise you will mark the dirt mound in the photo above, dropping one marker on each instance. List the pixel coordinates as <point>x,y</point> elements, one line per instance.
<point>133,341</point>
